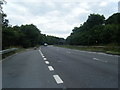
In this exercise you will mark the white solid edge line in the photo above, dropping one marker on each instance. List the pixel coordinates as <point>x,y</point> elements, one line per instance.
<point>50,68</point>
<point>57,79</point>
<point>46,62</point>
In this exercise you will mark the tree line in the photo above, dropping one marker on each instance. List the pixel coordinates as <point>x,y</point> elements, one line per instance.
<point>25,36</point>
<point>96,30</point>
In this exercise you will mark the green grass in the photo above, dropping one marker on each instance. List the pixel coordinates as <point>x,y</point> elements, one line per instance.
<point>13,52</point>
<point>20,49</point>
<point>106,49</point>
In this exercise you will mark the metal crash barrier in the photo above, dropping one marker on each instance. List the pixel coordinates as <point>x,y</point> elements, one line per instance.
<point>8,50</point>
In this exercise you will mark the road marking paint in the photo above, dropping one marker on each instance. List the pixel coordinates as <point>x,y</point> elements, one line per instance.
<point>101,53</point>
<point>45,58</point>
<point>104,54</point>
<point>95,59</point>
<point>57,79</point>
<point>40,52</point>
<point>46,62</point>
<point>100,60</point>
<point>91,52</point>
<point>110,55</point>
<point>50,68</point>
<point>42,55</point>
<point>68,52</point>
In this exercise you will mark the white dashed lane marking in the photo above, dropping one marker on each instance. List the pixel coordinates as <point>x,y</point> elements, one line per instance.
<point>95,59</point>
<point>99,60</point>
<point>46,62</point>
<point>68,52</point>
<point>42,55</point>
<point>40,52</point>
<point>45,58</point>
<point>57,79</point>
<point>50,68</point>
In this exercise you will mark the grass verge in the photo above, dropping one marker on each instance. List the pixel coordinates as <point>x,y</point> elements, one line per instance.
<point>13,52</point>
<point>115,50</point>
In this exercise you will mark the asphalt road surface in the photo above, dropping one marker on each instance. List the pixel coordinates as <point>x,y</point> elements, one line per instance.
<point>55,67</point>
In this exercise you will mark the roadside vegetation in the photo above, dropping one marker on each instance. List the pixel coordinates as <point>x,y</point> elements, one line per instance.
<point>96,31</point>
<point>24,36</point>
<point>13,52</point>
<point>105,49</point>
<point>95,34</point>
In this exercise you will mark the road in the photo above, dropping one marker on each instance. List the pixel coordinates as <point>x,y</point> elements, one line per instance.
<point>55,67</point>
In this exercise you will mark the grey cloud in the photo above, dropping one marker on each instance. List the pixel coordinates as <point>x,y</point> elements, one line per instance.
<point>56,18</point>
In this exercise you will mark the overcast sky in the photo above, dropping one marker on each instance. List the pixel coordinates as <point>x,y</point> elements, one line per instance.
<point>55,17</point>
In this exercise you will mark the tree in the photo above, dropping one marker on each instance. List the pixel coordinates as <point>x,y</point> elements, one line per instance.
<point>87,34</point>
<point>51,40</point>
<point>32,34</point>
<point>95,19</point>
<point>111,34</point>
<point>4,20</point>
<point>25,36</point>
<point>114,19</point>
<point>94,31</point>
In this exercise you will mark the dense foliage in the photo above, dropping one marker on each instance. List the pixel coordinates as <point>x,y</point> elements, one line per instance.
<point>25,36</point>
<point>96,30</point>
